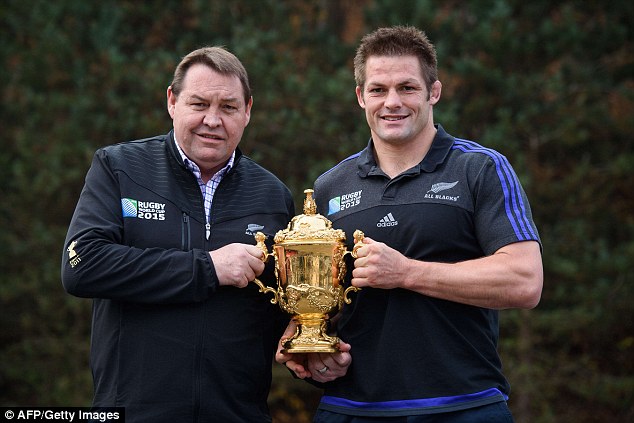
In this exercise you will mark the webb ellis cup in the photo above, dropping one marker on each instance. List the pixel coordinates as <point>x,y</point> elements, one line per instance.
<point>309,268</point>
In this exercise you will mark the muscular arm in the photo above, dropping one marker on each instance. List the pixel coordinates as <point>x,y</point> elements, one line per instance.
<point>512,277</point>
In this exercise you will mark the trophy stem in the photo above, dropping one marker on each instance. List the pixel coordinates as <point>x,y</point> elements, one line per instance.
<point>311,335</point>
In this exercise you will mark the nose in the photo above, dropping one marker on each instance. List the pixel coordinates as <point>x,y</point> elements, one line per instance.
<point>393,99</point>
<point>212,119</point>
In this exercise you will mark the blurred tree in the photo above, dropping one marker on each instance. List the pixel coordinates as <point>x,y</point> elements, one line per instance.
<point>549,84</point>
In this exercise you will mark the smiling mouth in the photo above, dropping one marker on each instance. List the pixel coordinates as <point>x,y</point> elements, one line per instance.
<point>210,137</point>
<point>393,118</point>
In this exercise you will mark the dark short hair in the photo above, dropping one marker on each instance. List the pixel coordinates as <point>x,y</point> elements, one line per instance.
<point>217,58</point>
<point>397,41</point>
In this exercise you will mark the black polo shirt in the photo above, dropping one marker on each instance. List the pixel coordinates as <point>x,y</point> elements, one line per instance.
<point>413,354</point>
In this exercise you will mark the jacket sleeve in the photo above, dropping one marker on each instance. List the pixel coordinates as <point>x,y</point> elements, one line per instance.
<point>96,263</point>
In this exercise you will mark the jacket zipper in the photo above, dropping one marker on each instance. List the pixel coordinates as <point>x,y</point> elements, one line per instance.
<point>186,246</point>
<point>185,233</point>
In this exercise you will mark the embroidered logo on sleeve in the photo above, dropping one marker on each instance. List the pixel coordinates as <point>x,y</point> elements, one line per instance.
<point>73,257</point>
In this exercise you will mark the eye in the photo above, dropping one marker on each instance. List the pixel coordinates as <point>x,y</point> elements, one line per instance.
<point>229,107</point>
<point>375,90</point>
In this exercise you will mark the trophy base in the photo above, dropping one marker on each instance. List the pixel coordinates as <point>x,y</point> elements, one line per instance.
<point>295,348</point>
<point>310,337</point>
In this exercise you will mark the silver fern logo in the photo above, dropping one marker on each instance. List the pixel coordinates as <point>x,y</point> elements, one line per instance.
<point>433,193</point>
<point>252,228</point>
<point>442,186</point>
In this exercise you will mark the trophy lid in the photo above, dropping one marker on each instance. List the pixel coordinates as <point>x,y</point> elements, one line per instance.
<point>310,226</point>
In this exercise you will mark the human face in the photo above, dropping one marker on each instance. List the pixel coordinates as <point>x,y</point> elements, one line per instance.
<point>397,105</point>
<point>209,117</point>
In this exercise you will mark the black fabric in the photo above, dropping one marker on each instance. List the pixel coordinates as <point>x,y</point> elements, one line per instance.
<point>168,343</point>
<point>450,207</point>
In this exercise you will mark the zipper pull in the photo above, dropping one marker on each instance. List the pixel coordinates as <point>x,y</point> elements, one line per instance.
<point>207,230</point>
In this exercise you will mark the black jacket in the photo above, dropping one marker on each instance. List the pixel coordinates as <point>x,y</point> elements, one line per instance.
<point>168,343</point>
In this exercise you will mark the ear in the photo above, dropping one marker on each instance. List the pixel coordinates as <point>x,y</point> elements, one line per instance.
<point>247,110</point>
<point>171,101</point>
<point>434,95</point>
<point>360,100</point>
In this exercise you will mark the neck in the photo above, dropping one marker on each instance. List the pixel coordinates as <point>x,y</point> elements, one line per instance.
<point>396,158</point>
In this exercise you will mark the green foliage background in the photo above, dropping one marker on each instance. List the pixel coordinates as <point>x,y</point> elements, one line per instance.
<point>547,83</point>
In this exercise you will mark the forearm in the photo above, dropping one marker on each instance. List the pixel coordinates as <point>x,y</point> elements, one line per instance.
<point>512,277</point>
<point>102,258</point>
<point>138,275</point>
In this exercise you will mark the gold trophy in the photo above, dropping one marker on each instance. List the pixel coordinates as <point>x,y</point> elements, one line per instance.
<point>309,268</point>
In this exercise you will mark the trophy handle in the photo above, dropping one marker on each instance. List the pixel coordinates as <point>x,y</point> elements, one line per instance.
<point>358,236</point>
<point>264,289</point>
<point>260,237</point>
<point>345,293</point>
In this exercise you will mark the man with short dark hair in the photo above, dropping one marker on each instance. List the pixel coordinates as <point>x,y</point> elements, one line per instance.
<point>162,240</point>
<point>449,241</point>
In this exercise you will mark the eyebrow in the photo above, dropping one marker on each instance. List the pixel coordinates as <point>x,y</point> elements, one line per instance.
<point>408,81</point>
<point>225,99</point>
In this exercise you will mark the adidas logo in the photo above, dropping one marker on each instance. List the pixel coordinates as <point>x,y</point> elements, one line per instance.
<point>386,221</point>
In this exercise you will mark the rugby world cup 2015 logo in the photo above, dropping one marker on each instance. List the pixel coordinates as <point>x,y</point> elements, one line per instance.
<point>129,207</point>
<point>148,210</point>
<point>344,202</point>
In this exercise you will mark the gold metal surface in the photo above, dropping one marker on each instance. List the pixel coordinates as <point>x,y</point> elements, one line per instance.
<point>309,268</point>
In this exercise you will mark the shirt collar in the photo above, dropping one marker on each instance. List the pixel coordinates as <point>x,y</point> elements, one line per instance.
<point>192,166</point>
<point>435,156</point>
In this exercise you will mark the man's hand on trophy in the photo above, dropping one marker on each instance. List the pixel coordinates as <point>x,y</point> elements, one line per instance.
<point>379,266</point>
<point>237,264</point>
<point>297,363</point>
<point>321,367</point>
<point>326,367</point>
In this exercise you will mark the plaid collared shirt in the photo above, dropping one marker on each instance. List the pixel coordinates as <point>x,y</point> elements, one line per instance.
<point>207,189</point>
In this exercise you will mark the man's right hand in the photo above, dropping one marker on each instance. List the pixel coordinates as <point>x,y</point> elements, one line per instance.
<point>237,264</point>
